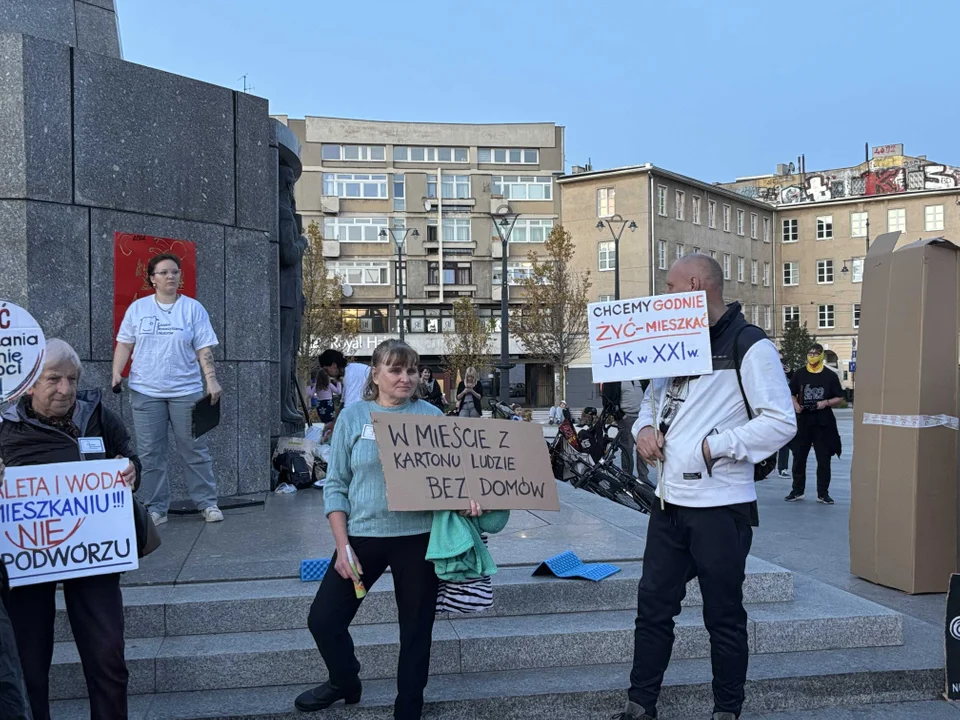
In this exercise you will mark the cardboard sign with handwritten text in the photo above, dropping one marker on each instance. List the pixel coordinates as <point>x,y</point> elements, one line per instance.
<point>442,463</point>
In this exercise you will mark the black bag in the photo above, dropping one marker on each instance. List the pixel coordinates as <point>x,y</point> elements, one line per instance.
<point>293,469</point>
<point>148,538</point>
<point>763,468</point>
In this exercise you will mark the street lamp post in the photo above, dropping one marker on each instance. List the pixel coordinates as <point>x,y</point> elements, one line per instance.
<point>504,222</point>
<point>612,223</point>
<point>400,242</point>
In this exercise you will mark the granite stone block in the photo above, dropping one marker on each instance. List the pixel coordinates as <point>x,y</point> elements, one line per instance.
<point>152,142</point>
<point>210,258</point>
<point>139,620</point>
<point>105,4</point>
<point>66,673</point>
<point>248,269</point>
<point>274,277</point>
<point>35,133</point>
<point>275,204</point>
<point>256,169</point>
<point>45,263</point>
<point>254,421</point>
<point>97,30</point>
<point>50,19</point>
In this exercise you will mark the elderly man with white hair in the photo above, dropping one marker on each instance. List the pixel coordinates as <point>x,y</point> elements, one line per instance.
<point>46,426</point>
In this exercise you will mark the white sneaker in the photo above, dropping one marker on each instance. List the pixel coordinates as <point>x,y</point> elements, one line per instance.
<point>212,514</point>
<point>158,519</point>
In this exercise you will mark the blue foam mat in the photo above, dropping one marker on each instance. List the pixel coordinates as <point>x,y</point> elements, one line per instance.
<point>313,570</point>
<point>568,565</point>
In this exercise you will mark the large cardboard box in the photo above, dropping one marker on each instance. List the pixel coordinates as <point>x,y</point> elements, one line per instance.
<point>903,508</point>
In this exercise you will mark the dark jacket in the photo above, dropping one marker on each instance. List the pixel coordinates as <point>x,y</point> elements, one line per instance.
<point>478,388</point>
<point>434,396</point>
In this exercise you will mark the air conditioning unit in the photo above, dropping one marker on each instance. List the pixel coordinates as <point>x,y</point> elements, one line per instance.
<point>496,249</point>
<point>497,292</point>
<point>331,249</point>
<point>329,204</point>
<point>499,205</point>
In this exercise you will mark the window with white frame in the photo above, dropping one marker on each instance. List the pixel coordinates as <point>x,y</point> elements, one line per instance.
<point>791,316</point>
<point>755,314</point>
<point>740,267</point>
<point>713,254</point>
<point>662,200</point>
<point>766,274</point>
<point>826,317</point>
<point>856,274</point>
<point>933,217</point>
<point>856,315</point>
<point>766,229</point>
<point>824,272</point>
<point>825,227</point>
<point>522,187</point>
<point>726,266</point>
<point>509,156</point>
<point>696,210</point>
<point>679,250</point>
<point>451,186</point>
<point>754,220</point>
<point>662,254</point>
<point>726,218</point>
<point>404,153</point>
<point>516,273</point>
<point>360,272</point>
<point>696,250</point>
<point>355,229</point>
<point>353,153</point>
<point>740,226</point>
<point>605,298</point>
<point>897,220</point>
<point>754,271</point>
<point>399,194</point>
<point>530,230</point>
<point>790,230</point>
<point>791,274</point>
<point>454,230</point>
<point>711,214</point>
<point>606,202</point>
<point>678,199</point>
<point>344,185</point>
<point>767,317</point>
<point>607,256</point>
<point>858,224</point>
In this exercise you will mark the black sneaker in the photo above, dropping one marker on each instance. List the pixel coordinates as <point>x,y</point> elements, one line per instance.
<point>633,712</point>
<point>794,496</point>
<point>825,499</point>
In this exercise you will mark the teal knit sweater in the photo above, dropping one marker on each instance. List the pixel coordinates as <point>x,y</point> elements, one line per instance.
<point>355,483</point>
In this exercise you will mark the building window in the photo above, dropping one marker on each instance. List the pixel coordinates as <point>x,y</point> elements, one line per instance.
<point>825,227</point>
<point>826,317</point>
<point>712,214</point>
<point>726,218</point>
<point>740,265</point>
<point>678,200</point>
<point>767,317</point>
<point>791,274</point>
<point>366,320</point>
<point>740,215</point>
<point>355,229</point>
<point>454,230</point>
<point>755,314</point>
<point>606,298</point>
<point>766,274</point>
<point>897,220</point>
<point>713,254</point>
<point>662,254</point>
<point>679,250</point>
<point>858,224</point>
<point>696,250</point>
<point>856,315</point>
<point>454,273</point>
<point>529,230</point>
<point>452,186</point>
<point>662,200</point>
<point>696,209</point>
<point>726,266</point>
<point>522,187</point>
<point>791,316</point>
<point>368,187</point>
<point>857,270</point>
<point>933,217</point>
<point>399,194</point>
<point>509,156</point>
<point>516,273</point>
<point>608,256</point>
<point>402,153</point>
<point>790,231</point>
<point>353,153</point>
<point>753,225</point>
<point>824,272</point>
<point>606,202</point>
<point>359,272</point>
<point>754,271</point>
<point>766,229</point>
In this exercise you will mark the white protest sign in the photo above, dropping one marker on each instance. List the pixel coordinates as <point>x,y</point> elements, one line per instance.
<point>66,520</point>
<point>652,337</point>
<point>21,351</point>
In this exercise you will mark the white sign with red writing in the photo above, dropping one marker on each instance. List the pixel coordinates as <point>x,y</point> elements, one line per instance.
<point>66,520</point>
<point>882,151</point>
<point>651,337</point>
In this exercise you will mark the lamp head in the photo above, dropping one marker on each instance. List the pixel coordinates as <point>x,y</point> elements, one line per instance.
<point>632,225</point>
<point>600,225</point>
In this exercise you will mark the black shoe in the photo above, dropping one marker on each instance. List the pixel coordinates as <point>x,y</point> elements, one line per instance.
<point>633,712</point>
<point>794,496</point>
<point>825,499</point>
<point>323,696</point>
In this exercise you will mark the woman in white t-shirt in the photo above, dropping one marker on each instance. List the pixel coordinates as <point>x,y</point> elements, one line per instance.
<point>172,340</point>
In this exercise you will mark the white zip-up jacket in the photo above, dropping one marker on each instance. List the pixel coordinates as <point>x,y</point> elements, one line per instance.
<point>714,410</point>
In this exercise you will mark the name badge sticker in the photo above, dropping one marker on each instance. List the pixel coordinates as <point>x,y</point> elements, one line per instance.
<point>91,445</point>
<point>368,433</point>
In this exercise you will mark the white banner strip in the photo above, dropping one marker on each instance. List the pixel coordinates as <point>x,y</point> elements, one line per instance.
<point>912,421</point>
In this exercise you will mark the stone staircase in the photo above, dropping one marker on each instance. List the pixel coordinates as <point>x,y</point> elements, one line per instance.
<point>550,649</point>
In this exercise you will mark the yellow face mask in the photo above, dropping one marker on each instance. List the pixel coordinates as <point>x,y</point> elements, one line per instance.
<point>815,362</point>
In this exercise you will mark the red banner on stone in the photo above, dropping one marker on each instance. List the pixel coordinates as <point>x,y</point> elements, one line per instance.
<point>131,253</point>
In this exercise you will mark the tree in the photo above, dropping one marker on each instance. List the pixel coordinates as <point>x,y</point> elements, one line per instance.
<point>795,344</point>
<point>469,343</point>
<point>323,324</point>
<point>553,325</point>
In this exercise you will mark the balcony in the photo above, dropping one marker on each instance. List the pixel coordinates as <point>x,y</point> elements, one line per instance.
<point>431,204</point>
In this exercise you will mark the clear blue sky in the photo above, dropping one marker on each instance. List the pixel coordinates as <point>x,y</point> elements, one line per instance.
<point>709,88</point>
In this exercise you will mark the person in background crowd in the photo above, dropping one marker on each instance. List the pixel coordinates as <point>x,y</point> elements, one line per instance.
<point>45,427</point>
<point>171,339</point>
<point>783,457</point>
<point>704,436</point>
<point>355,377</point>
<point>470,395</point>
<point>431,391</point>
<point>816,391</point>
<point>369,539</point>
<point>631,398</point>
<point>558,413</point>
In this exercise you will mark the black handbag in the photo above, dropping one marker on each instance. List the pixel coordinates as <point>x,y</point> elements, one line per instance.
<point>763,468</point>
<point>148,537</point>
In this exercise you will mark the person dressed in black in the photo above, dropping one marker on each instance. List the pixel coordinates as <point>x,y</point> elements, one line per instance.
<point>816,390</point>
<point>431,391</point>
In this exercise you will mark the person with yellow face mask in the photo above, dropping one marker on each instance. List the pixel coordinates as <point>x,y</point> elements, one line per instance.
<point>816,390</point>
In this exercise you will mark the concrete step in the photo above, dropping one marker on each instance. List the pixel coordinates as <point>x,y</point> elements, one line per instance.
<point>821,618</point>
<point>776,683</point>
<point>252,606</point>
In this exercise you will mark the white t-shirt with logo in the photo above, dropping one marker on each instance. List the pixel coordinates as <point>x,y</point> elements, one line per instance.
<point>165,345</point>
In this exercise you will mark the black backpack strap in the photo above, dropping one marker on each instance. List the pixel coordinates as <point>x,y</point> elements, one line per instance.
<point>736,365</point>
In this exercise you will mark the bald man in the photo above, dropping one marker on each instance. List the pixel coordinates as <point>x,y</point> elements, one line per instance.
<point>709,445</point>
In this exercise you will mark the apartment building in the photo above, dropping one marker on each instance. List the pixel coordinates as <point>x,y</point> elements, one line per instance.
<point>675,215</point>
<point>368,183</point>
<point>825,221</point>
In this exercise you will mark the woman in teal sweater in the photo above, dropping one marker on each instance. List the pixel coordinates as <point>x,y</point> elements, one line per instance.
<point>366,531</point>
